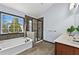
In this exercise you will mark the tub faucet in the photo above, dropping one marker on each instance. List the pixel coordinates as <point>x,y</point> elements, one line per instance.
<point>26,40</point>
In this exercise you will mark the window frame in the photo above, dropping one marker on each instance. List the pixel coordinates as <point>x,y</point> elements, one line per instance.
<point>7,28</point>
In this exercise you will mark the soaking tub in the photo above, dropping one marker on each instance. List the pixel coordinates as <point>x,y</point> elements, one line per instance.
<point>15,46</point>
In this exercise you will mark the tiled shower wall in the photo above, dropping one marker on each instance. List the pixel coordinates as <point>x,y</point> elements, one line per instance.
<point>10,36</point>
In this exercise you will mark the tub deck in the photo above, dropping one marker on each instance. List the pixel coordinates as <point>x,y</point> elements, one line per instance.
<point>14,46</point>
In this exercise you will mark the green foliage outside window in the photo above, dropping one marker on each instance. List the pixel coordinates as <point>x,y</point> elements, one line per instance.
<point>15,26</point>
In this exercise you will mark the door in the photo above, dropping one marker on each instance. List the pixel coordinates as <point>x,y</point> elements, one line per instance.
<point>35,28</point>
<point>40,30</point>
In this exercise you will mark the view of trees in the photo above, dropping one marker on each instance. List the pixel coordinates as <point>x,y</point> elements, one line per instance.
<point>4,29</point>
<point>12,24</point>
<point>15,26</point>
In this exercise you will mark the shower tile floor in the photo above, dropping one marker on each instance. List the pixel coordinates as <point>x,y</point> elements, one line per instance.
<point>42,48</point>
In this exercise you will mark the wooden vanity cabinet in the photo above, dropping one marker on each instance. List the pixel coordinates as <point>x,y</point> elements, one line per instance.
<point>62,49</point>
<point>58,49</point>
<point>76,50</point>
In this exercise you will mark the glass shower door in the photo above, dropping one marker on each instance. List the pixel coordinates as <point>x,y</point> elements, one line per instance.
<point>39,30</point>
<point>35,28</point>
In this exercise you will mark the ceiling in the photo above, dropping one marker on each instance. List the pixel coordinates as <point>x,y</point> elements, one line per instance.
<point>32,9</point>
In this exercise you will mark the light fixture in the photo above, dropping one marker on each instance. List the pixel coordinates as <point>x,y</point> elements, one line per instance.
<point>72,5</point>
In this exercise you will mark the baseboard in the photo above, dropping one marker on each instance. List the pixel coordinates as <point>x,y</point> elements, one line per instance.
<point>39,41</point>
<point>48,41</point>
<point>45,41</point>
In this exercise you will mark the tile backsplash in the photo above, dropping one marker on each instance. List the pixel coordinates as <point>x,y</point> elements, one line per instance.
<point>10,36</point>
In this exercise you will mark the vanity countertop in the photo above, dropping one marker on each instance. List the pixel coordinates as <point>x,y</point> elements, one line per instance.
<point>67,40</point>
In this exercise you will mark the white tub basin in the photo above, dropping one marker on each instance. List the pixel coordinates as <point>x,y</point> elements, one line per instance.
<point>15,46</point>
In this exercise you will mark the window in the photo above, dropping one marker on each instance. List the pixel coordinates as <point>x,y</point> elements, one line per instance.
<point>11,24</point>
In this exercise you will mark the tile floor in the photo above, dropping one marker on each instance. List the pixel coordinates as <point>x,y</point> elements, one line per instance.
<point>42,48</point>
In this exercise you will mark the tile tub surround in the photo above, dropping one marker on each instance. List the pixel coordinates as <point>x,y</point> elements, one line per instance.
<point>10,36</point>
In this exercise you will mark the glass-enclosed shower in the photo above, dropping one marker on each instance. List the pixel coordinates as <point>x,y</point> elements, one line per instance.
<point>38,29</point>
<point>36,26</point>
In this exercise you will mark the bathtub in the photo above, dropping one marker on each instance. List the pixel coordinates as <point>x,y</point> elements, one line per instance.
<point>15,46</point>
